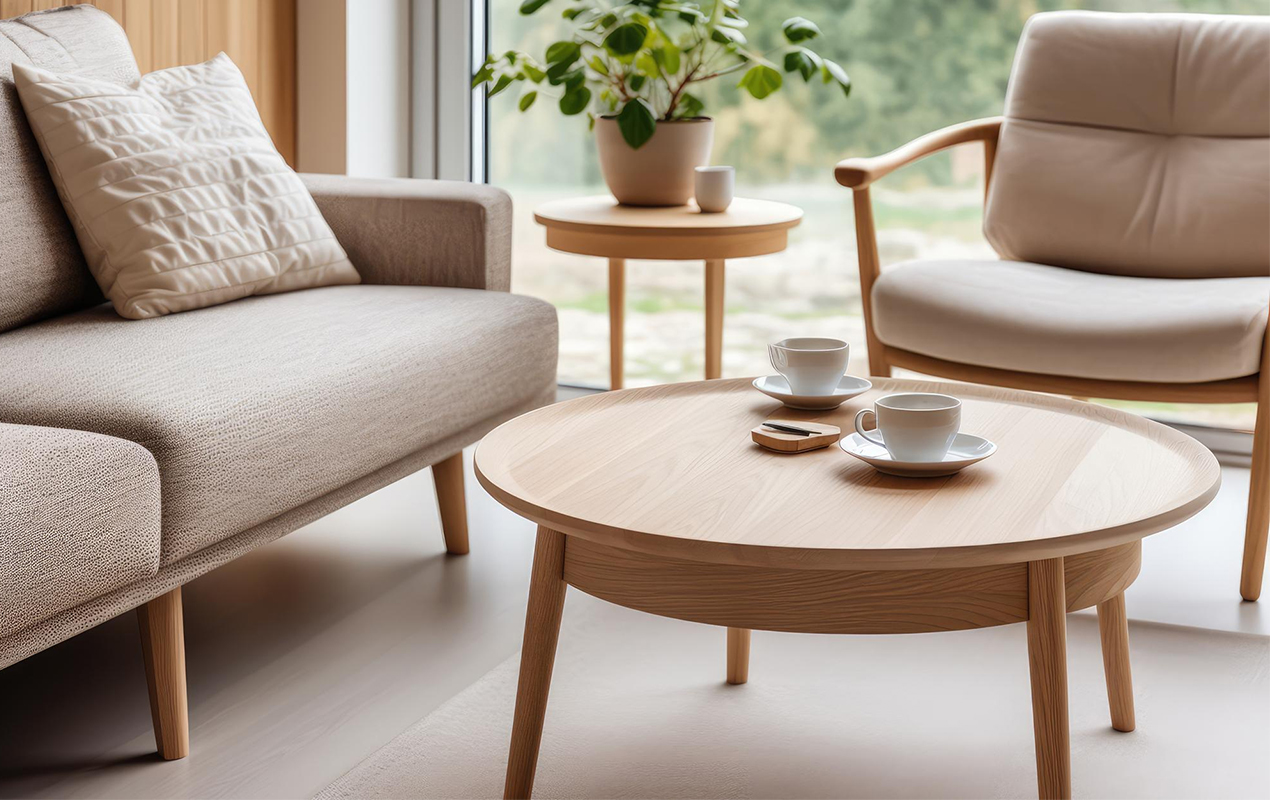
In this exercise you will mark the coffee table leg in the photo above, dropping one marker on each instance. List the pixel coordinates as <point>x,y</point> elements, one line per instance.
<point>738,655</point>
<point>1047,657</point>
<point>617,311</point>
<point>714,319</point>
<point>1113,626</point>
<point>538,654</point>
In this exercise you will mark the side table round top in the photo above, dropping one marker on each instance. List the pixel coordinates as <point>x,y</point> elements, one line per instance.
<point>671,470</point>
<point>599,226</point>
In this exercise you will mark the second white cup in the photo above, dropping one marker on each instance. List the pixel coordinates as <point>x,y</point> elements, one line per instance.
<point>915,426</point>
<point>714,188</point>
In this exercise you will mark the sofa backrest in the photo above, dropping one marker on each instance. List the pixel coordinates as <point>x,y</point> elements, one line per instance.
<point>1136,144</point>
<point>42,270</point>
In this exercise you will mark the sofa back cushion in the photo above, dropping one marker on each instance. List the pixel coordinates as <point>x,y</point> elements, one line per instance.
<point>1137,144</point>
<point>42,270</point>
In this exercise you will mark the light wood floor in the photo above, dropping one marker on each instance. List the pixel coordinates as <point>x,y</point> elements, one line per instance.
<point>309,654</point>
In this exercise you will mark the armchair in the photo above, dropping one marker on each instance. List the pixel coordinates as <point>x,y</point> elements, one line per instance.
<point>1127,192</point>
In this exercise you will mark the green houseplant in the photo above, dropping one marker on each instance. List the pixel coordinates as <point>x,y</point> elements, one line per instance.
<point>632,67</point>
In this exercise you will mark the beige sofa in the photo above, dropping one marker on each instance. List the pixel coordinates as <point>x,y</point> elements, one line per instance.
<point>1129,198</point>
<point>138,455</point>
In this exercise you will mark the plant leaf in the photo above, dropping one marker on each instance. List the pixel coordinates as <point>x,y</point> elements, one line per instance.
<point>803,61</point>
<point>536,75</point>
<point>637,82</point>
<point>760,80</point>
<point>797,29</point>
<point>727,35</point>
<point>626,39</point>
<point>482,75</point>
<point>689,106</point>
<point>831,71</point>
<point>575,100</point>
<point>530,6</point>
<point>563,51</point>
<point>502,83</point>
<point>637,124</point>
<point>526,100</point>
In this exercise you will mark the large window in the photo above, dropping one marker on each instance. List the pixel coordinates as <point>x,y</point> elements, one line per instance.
<point>916,65</point>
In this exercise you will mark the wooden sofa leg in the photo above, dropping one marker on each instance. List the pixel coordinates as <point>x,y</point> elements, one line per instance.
<point>1258,499</point>
<point>163,649</point>
<point>448,477</point>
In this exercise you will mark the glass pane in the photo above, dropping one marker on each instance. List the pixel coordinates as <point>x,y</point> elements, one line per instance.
<point>916,65</point>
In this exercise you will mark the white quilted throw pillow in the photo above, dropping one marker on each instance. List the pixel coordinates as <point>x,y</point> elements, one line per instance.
<point>175,189</point>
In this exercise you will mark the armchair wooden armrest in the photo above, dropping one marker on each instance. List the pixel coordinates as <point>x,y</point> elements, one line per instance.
<point>858,173</point>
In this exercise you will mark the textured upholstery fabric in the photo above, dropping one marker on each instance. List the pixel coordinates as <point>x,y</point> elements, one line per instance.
<point>42,270</point>
<point>1056,321</point>
<point>66,624</point>
<point>175,189</point>
<point>1137,144</point>
<point>434,233</point>
<point>79,516</point>
<point>258,406</point>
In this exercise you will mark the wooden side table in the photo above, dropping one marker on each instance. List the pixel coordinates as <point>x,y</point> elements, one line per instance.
<point>598,226</point>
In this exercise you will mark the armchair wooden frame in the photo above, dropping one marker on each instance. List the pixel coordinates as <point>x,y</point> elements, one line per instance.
<point>858,174</point>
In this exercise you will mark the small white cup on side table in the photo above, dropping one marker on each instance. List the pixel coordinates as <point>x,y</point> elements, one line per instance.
<point>714,188</point>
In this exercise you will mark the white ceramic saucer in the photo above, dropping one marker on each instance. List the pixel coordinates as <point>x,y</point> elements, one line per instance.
<point>966,450</point>
<point>777,387</point>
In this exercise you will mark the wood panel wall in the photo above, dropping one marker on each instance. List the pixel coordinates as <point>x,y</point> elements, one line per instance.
<point>258,34</point>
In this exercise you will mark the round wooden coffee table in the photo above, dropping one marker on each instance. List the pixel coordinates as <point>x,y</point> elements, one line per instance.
<point>656,499</point>
<point>598,226</point>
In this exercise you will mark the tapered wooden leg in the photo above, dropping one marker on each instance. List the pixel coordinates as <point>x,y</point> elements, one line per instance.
<point>870,268</point>
<point>1113,627</point>
<point>617,312</point>
<point>714,319</point>
<point>447,475</point>
<point>1258,492</point>
<point>738,655</point>
<point>538,655</point>
<point>1047,656</point>
<point>163,650</point>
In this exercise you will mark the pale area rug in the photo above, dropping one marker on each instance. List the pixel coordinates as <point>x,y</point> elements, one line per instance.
<point>639,708</point>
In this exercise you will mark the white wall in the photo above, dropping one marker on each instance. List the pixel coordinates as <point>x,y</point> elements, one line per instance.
<point>378,38</point>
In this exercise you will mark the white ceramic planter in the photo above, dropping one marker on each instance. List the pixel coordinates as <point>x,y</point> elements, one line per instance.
<point>661,172</point>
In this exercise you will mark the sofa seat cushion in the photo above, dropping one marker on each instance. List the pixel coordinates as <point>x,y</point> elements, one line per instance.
<point>1035,318</point>
<point>255,407</point>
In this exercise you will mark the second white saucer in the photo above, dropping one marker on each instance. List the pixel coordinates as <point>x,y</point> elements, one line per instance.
<point>966,449</point>
<point>777,387</point>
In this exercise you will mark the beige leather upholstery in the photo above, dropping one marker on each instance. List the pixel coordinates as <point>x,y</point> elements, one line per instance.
<point>1036,318</point>
<point>79,516</point>
<point>257,406</point>
<point>1137,144</point>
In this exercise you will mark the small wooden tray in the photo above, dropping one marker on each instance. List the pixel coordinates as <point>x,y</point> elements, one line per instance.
<point>792,442</point>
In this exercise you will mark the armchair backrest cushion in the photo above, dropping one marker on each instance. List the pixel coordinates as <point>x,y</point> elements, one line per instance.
<point>1137,144</point>
<point>42,269</point>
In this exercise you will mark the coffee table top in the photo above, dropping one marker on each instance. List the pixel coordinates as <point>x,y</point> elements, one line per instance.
<point>671,470</point>
<point>745,215</point>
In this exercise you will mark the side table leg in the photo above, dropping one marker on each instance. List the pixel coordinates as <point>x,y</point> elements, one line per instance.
<point>738,655</point>
<point>714,319</point>
<point>1047,657</point>
<point>1113,627</point>
<point>617,311</point>
<point>538,655</point>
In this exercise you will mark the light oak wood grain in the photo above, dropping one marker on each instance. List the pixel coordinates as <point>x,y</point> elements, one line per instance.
<point>824,436</point>
<point>259,35</point>
<point>714,318</point>
<point>1113,629</point>
<point>538,656</point>
<point>1047,659</point>
<point>163,651</point>
<point>867,250</point>
<point>1068,478</point>
<point>1101,575</point>
<point>617,321</point>
<point>738,656</point>
<point>858,173</point>
<point>1254,561</point>
<point>447,475</point>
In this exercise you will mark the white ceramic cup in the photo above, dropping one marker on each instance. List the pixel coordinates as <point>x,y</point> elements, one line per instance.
<point>714,188</point>
<point>813,366</point>
<point>915,426</point>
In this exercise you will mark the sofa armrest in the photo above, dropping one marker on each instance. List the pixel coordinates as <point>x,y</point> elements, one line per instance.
<point>403,231</point>
<point>79,517</point>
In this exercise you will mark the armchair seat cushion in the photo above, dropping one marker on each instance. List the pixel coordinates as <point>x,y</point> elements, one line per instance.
<point>1036,318</point>
<point>255,407</point>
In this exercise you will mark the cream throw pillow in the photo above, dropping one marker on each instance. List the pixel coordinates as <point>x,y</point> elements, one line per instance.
<point>175,189</point>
